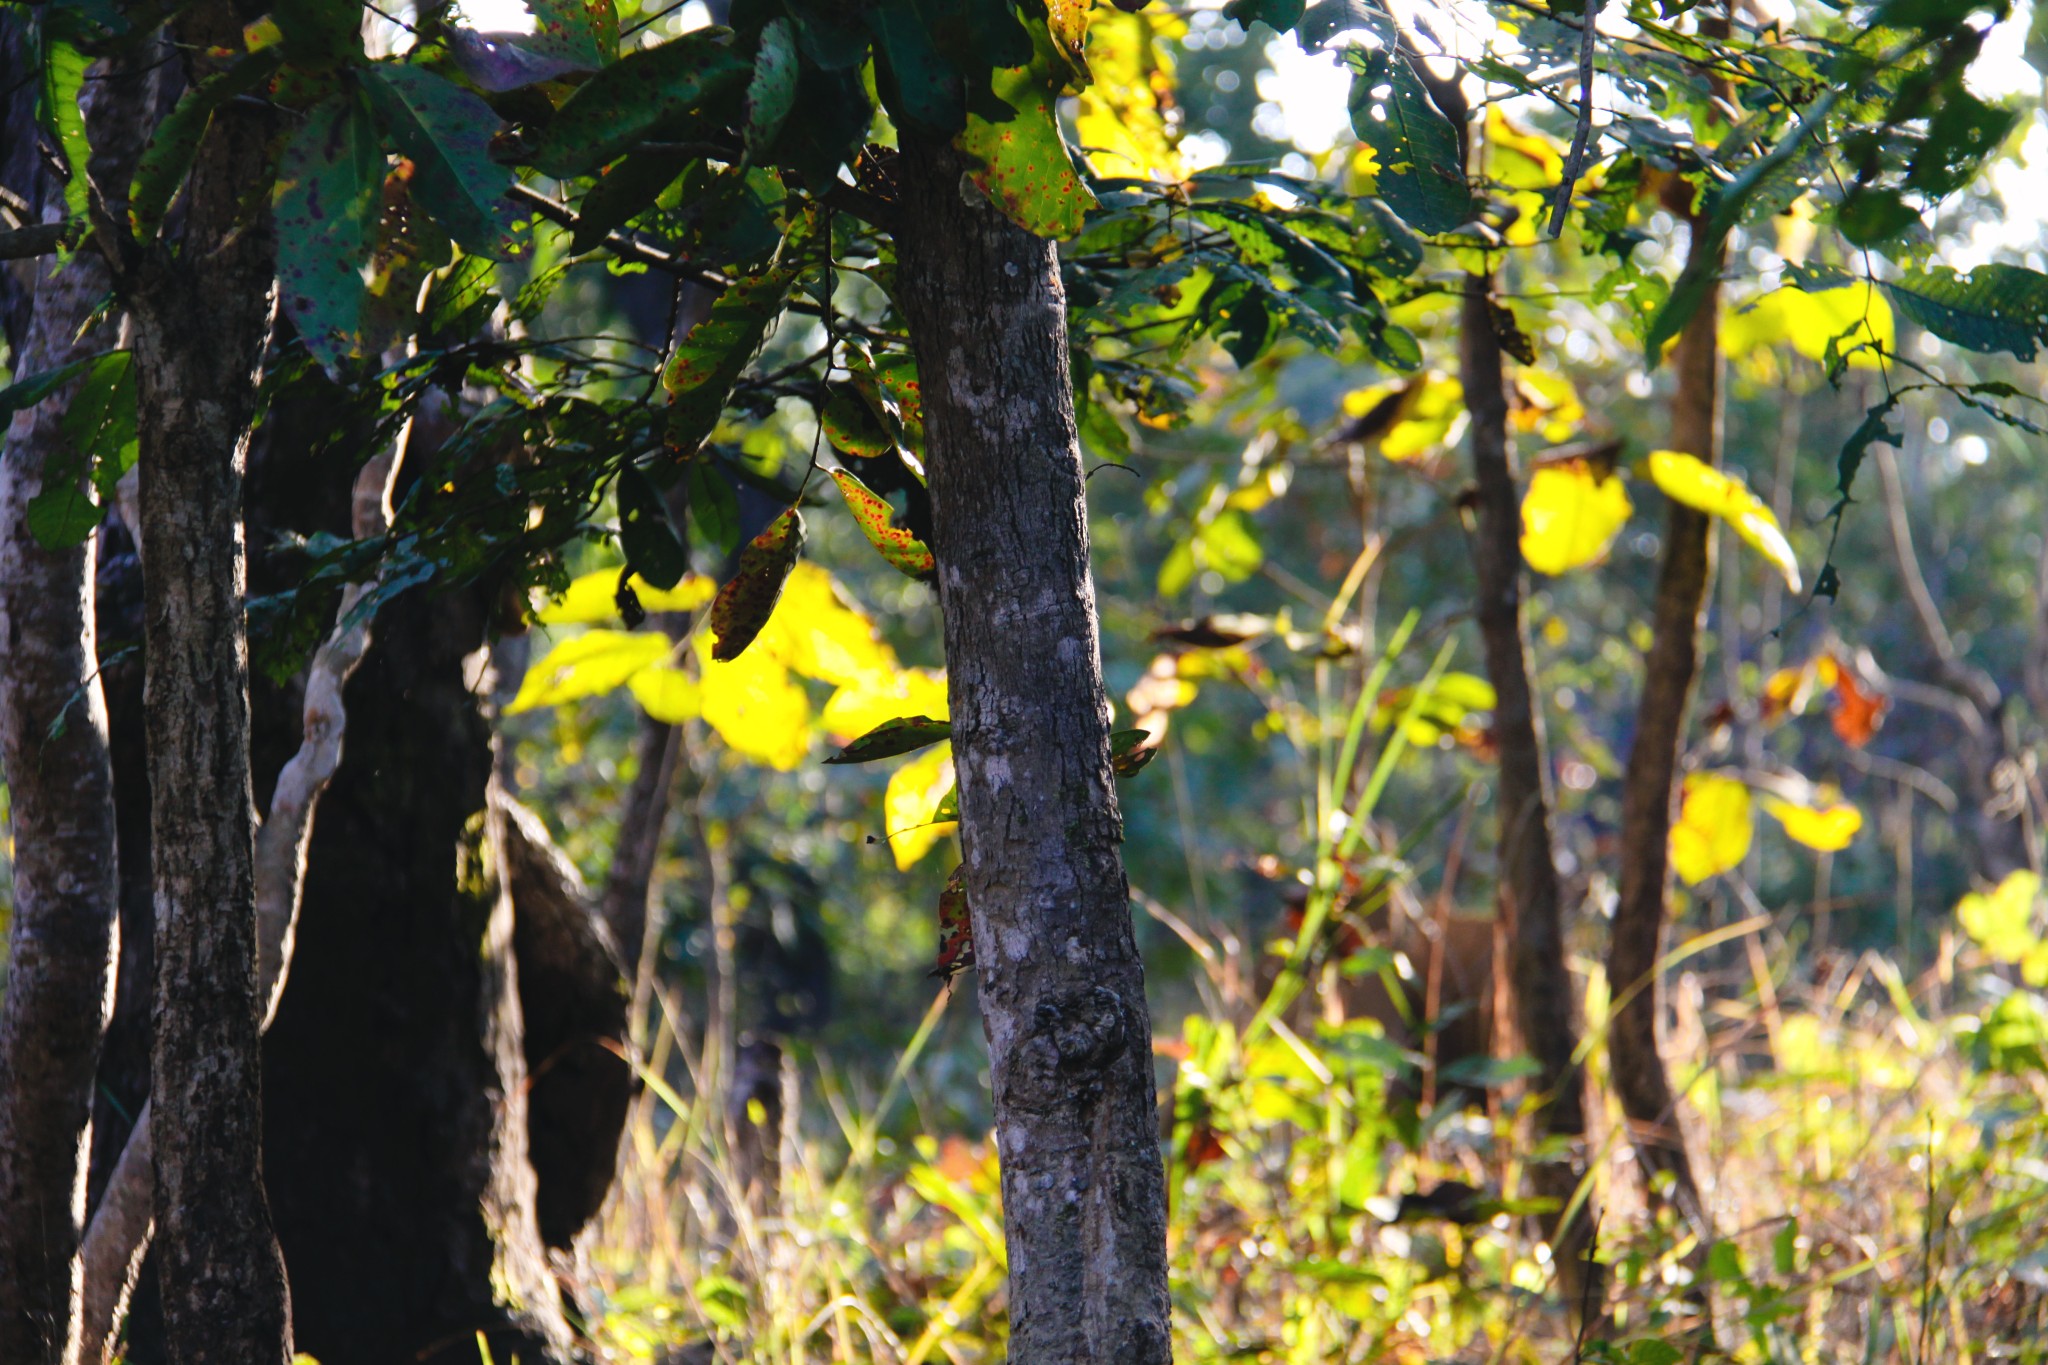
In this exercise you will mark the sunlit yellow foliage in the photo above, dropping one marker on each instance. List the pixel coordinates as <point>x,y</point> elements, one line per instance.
<point>819,633</point>
<point>585,665</point>
<point>1125,123</point>
<point>1690,480</point>
<point>1528,166</point>
<point>1546,403</point>
<point>757,706</point>
<point>666,693</point>
<point>1570,516</point>
<point>1429,414</point>
<point>594,597</point>
<point>1807,322</point>
<point>1826,829</point>
<point>2001,922</point>
<point>914,792</point>
<point>860,706</point>
<point>1714,827</point>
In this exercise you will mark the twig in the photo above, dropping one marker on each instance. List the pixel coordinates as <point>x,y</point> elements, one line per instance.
<point>41,239</point>
<point>1575,163</point>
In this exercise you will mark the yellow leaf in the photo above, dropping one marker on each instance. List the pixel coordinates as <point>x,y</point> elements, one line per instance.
<point>1714,827</point>
<point>1121,123</point>
<point>756,707</point>
<point>593,597</point>
<point>1857,314</point>
<point>860,706</point>
<point>587,664</point>
<point>1432,418</point>
<point>1827,829</point>
<point>1570,516</point>
<point>914,792</point>
<point>2000,921</point>
<point>666,693</point>
<point>1690,480</point>
<point>819,633</point>
<point>1546,404</point>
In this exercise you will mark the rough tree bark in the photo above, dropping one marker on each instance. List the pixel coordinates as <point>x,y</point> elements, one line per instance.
<point>1062,986</point>
<point>53,745</point>
<point>221,1274</point>
<point>1530,900</point>
<point>1649,784</point>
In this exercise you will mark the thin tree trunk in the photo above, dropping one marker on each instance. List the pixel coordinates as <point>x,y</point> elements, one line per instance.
<point>53,743</point>
<point>1544,1007</point>
<point>1062,986</point>
<point>1649,785</point>
<point>202,318</point>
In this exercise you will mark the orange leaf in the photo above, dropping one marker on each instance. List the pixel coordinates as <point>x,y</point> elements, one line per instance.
<point>956,929</point>
<point>1858,711</point>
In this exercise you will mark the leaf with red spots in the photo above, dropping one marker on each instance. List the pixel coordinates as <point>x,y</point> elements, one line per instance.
<point>744,605</point>
<point>853,426</point>
<point>622,104</point>
<point>903,735</point>
<point>771,91</point>
<point>330,179</point>
<point>585,32</point>
<point>903,550</point>
<point>1023,165</point>
<point>447,132</point>
<point>710,357</point>
<point>161,168</point>
<point>956,929</point>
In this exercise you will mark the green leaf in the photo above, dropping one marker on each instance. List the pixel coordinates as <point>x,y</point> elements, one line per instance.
<point>1131,750</point>
<point>320,33</point>
<point>1022,163</point>
<point>26,393</point>
<point>1420,175</point>
<point>710,357</point>
<point>917,85</point>
<point>1876,426</point>
<point>771,92</point>
<point>162,167</point>
<point>1278,15</point>
<point>904,551</point>
<point>622,192</point>
<point>653,549</point>
<point>59,112</point>
<point>903,735</point>
<point>629,99</point>
<point>1870,217</point>
<point>713,506</point>
<point>98,447</point>
<point>853,426</point>
<point>575,31</point>
<point>328,193</point>
<point>447,132</point>
<point>1993,308</point>
<point>744,605</point>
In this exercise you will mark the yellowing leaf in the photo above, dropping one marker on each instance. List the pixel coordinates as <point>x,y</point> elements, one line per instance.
<point>819,633</point>
<point>904,551</point>
<point>913,794</point>
<point>1570,516</point>
<point>1432,418</point>
<point>756,707</point>
<point>1850,316</point>
<point>2000,921</point>
<point>744,605</point>
<point>1692,481</point>
<point>585,665</point>
<point>1714,827</point>
<point>1827,829</point>
<point>666,693</point>
<point>593,597</point>
<point>860,706</point>
<point>1122,123</point>
<point>1546,404</point>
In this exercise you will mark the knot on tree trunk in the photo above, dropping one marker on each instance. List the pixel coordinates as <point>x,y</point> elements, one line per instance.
<point>1074,1042</point>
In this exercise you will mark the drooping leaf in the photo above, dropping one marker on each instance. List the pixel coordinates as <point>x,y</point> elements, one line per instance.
<point>60,113</point>
<point>903,735</point>
<point>1571,515</point>
<point>904,551</point>
<point>1420,176</point>
<point>1993,308</point>
<point>622,104</point>
<point>1714,827</point>
<point>771,90</point>
<point>956,929</point>
<point>1279,15</point>
<point>1022,163</point>
<point>918,86</point>
<point>744,605</point>
<point>1694,482</point>
<point>627,188</point>
<point>652,547</point>
<point>330,179</point>
<point>161,168</point>
<point>1876,426</point>
<point>1858,710</point>
<point>709,358</point>
<point>586,665</point>
<point>853,426</point>
<point>1131,750</point>
<point>447,132</point>
<point>26,393</point>
<point>1826,829</point>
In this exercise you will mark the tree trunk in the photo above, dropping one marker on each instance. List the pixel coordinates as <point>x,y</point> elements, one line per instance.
<point>1649,786</point>
<point>53,743</point>
<point>1545,1009</point>
<point>1062,986</point>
